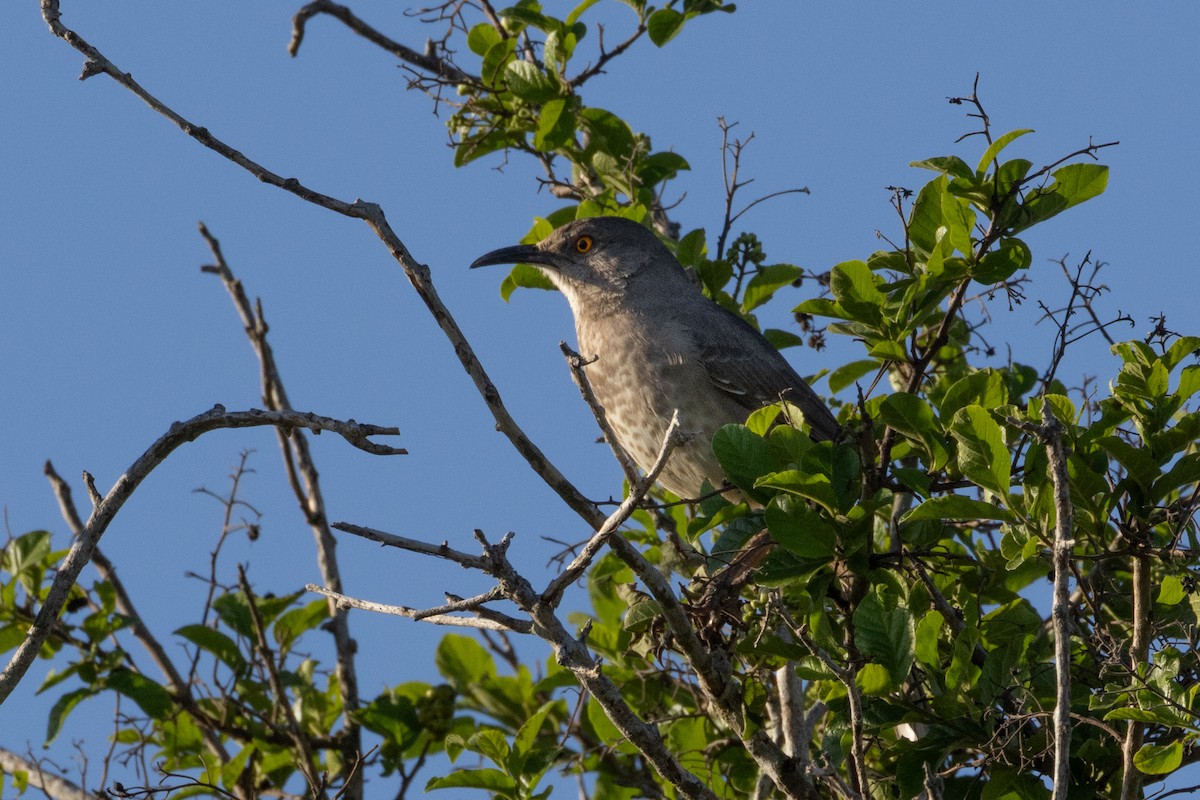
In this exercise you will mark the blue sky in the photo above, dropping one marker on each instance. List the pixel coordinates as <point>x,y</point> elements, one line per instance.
<point>109,332</point>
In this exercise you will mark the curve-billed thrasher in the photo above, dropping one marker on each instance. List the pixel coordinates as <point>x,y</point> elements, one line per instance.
<point>661,345</point>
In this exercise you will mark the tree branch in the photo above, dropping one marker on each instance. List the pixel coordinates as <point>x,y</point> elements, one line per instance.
<point>307,490</point>
<point>437,66</point>
<point>418,274</point>
<point>637,492</point>
<point>488,620</point>
<point>282,701</point>
<point>54,786</point>
<point>105,510</point>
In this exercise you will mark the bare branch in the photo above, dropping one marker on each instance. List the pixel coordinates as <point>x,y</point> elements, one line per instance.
<point>303,477</point>
<point>437,66</point>
<point>418,274</point>
<point>104,512</point>
<point>712,668</point>
<point>573,654</point>
<point>607,55</point>
<point>442,550</point>
<point>1056,454</point>
<point>54,786</point>
<point>637,492</point>
<point>488,619</point>
<point>1050,432</point>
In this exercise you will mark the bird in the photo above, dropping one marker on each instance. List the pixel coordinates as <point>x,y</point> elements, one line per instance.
<point>660,346</point>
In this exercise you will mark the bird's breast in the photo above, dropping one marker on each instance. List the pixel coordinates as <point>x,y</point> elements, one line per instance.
<point>642,374</point>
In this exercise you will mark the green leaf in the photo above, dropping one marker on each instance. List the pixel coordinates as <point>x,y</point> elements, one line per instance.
<point>530,82</point>
<point>955,506</point>
<point>1138,463</point>
<point>151,698</point>
<point>658,167</point>
<point>478,146</point>
<point>986,388</point>
<point>63,707</point>
<point>492,780</point>
<point>482,37</point>
<point>664,25</point>
<point>491,743</point>
<point>496,57</point>
<point>1062,408</point>
<point>1073,184</point>
<point>1170,591</point>
<point>216,643</point>
<point>1189,383</point>
<point>528,733</point>
<point>1010,784</point>
<point>525,14</point>
<point>1000,264</point>
<point>577,12</point>
<point>1135,352</point>
<point>874,680</point>
<point>768,280</point>
<point>888,351</point>
<point>463,661</point>
<point>607,133</point>
<point>1185,472</point>
<point>781,340</point>
<point>24,559</point>
<point>605,729</point>
<point>982,454</point>
<point>938,215</point>
<point>556,124</point>
<point>799,529</point>
<point>1184,347</point>
<point>761,420</point>
<point>292,624</point>
<point>691,248</point>
<point>1156,759</point>
<point>743,454</point>
<point>814,487</point>
<point>232,769</point>
<point>910,416</point>
<point>847,374</point>
<point>524,276</point>
<point>643,613</point>
<point>947,165</point>
<point>994,149</point>
<point>269,609</point>
<point>1159,715</point>
<point>11,636</point>
<point>928,633</point>
<point>853,286</point>
<point>886,636</point>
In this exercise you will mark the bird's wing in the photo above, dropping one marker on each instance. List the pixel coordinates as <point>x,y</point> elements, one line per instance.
<point>743,364</point>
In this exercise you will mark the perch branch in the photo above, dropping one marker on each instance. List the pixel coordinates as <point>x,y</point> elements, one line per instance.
<point>637,492</point>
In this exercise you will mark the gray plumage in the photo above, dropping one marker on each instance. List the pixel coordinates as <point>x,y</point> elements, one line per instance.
<point>661,345</point>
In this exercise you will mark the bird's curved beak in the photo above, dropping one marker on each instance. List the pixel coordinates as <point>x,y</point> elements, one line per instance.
<point>518,254</point>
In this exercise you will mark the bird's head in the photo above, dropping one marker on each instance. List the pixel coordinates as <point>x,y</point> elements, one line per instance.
<point>600,256</point>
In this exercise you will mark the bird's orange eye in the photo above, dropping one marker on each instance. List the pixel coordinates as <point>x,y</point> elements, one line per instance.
<point>583,244</point>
